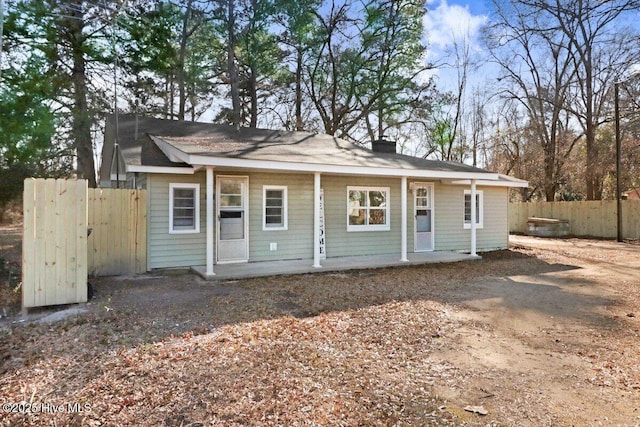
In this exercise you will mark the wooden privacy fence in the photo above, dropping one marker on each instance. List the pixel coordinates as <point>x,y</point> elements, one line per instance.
<point>57,254</point>
<point>589,218</point>
<point>118,240</point>
<point>54,248</point>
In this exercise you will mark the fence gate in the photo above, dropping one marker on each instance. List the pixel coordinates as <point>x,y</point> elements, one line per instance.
<point>118,240</point>
<point>54,248</point>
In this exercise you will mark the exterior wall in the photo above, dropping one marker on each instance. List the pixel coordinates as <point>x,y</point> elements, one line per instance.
<point>449,217</point>
<point>297,241</point>
<point>183,250</point>
<point>166,250</point>
<point>340,242</point>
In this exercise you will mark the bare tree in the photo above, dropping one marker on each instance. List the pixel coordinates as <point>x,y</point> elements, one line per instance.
<point>601,42</point>
<point>538,72</point>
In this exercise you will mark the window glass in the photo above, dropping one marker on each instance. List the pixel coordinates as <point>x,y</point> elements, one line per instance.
<point>230,201</point>
<point>367,209</point>
<point>357,216</point>
<point>377,198</point>
<point>467,209</point>
<point>275,208</point>
<point>377,217</point>
<point>230,193</point>
<point>184,206</point>
<point>228,186</point>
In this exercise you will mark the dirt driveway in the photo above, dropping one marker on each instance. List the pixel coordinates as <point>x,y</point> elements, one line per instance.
<point>564,341</point>
<point>543,334</point>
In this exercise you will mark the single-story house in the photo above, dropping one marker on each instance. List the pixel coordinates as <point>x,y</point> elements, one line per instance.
<point>219,195</point>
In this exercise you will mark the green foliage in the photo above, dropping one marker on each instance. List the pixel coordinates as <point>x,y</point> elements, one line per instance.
<point>364,65</point>
<point>27,125</point>
<point>353,71</point>
<point>170,55</point>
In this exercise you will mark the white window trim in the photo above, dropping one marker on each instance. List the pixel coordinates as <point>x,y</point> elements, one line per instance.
<point>480,219</point>
<point>285,209</point>
<point>196,187</point>
<point>375,227</point>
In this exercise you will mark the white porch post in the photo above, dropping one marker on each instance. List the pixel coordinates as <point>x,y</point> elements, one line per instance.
<point>403,237</point>
<point>316,220</point>
<point>210,222</point>
<point>473,217</point>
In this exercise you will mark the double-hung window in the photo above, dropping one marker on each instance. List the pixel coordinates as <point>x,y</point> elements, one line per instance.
<point>479,209</point>
<point>184,208</point>
<point>274,211</point>
<point>368,208</point>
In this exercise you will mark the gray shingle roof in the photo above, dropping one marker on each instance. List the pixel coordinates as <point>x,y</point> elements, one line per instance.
<point>211,140</point>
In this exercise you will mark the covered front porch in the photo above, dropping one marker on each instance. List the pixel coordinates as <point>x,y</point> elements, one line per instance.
<point>272,268</point>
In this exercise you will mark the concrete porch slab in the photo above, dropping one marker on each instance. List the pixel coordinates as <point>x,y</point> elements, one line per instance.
<point>274,268</point>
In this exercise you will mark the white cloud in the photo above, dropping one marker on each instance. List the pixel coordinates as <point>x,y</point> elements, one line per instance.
<point>444,23</point>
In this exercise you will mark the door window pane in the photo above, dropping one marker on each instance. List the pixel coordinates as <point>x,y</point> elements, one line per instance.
<point>230,193</point>
<point>231,225</point>
<point>423,221</point>
<point>230,201</point>
<point>228,186</point>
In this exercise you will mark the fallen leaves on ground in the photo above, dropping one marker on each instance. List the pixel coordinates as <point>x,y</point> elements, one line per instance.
<point>354,348</point>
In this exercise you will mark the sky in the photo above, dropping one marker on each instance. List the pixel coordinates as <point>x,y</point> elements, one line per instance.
<point>445,21</point>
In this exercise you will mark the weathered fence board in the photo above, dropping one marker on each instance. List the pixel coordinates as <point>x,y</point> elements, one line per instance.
<point>587,218</point>
<point>54,251</point>
<point>118,240</point>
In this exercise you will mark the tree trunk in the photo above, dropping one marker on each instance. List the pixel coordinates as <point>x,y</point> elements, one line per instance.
<point>253,96</point>
<point>549,179</point>
<point>381,118</point>
<point>299,124</point>
<point>172,84</point>
<point>590,175</point>
<point>232,68</point>
<point>81,122</point>
<point>181,60</point>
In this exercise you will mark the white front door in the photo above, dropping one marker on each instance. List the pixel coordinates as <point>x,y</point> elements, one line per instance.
<point>232,207</point>
<point>423,214</point>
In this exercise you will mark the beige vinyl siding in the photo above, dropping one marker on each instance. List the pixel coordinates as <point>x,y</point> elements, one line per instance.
<point>342,243</point>
<point>173,250</point>
<point>297,241</point>
<point>449,216</point>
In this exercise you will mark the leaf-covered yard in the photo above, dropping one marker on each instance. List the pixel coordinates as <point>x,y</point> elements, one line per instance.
<point>532,336</point>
